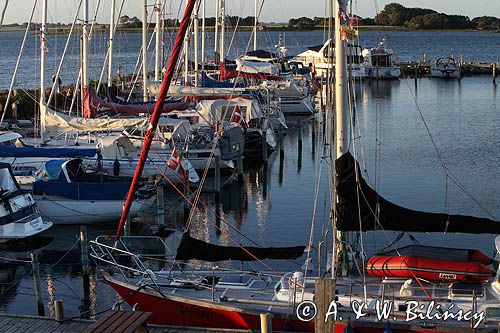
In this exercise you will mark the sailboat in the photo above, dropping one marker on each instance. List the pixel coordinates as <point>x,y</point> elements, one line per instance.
<point>234,299</point>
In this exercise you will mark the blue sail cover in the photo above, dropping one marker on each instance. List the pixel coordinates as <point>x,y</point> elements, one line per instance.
<point>211,83</point>
<point>11,151</point>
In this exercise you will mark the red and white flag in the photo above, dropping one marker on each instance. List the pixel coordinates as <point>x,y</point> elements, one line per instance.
<point>239,119</point>
<point>174,163</point>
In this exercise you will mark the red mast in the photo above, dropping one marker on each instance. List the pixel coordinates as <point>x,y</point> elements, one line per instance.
<point>155,117</point>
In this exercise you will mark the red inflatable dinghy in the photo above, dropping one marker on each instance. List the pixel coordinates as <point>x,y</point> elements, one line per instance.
<point>432,263</point>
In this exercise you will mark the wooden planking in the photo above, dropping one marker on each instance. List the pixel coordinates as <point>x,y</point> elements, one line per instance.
<point>34,324</point>
<point>119,321</point>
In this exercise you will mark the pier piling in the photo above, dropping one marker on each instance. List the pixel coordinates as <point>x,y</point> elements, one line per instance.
<point>59,309</point>
<point>266,323</point>
<point>494,71</point>
<point>325,293</point>
<point>160,205</point>
<point>239,167</point>
<point>85,313</point>
<point>36,284</point>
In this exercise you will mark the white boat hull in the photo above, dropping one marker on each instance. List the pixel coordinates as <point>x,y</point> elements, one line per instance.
<point>65,211</point>
<point>445,73</point>
<point>29,227</point>
<point>386,73</point>
<point>297,105</point>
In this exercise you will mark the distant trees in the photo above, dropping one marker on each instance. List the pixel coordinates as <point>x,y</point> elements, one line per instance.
<point>486,23</point>
<point>395,14</point>
<point>302,23</point>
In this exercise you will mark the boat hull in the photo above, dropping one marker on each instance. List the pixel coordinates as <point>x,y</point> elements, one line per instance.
<point>64,211</point>
<point>445,74</point>
<point>178,311</point>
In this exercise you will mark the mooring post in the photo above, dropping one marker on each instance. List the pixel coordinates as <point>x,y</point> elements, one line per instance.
<point>299,146</point>
<point>160,206</point>
<point>240,163</point>
<point>264,148</point>
<point>494,73</point>
<point>313,137</point>
<point>59,309</point>
<point>126,227</point>
<point>266,323</point>
<point>36,284</point>
<point>461,59</point>
<point>85,314</point>
<point>325,294</point>
<point>217,174</point>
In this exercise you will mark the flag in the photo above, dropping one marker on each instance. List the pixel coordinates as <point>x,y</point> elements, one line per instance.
<point>349,34</point>
<point>238,118</point>
<point>174,163</point>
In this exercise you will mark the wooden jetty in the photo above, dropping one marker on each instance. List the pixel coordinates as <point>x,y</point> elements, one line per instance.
<point>421,68</point>
<point>112,322</point>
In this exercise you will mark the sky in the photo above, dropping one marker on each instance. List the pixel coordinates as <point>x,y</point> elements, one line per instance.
<point>273,10</point>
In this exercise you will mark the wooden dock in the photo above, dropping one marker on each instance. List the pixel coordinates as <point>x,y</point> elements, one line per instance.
<point>10,323</point>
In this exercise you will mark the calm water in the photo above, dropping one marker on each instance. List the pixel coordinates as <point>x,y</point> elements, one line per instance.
<point>276,207</point>
<point>484,47</point>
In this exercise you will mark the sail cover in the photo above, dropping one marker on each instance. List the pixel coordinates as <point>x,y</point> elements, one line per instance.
<point>12,151</point>
<point>392,216</point>
<point>192,248</point>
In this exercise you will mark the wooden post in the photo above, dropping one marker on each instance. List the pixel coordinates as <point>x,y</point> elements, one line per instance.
<point>160,206</point>
<point>239,167</point>
<point>85,314</point>
<point>264,148</point>
<point>217,174</point>
<point>325,294</point>
<point>494,73</point>
<point>59,308</point>
<point>36,284</point>
<point>126,227</point>
<point>313,138</point>
<point>266,323</point>
<point>299,147</point>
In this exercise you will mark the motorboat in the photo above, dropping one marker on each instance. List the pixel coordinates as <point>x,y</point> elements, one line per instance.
<point>19,215</point>
<point>68,193</point>
<point>445,68</point>
<point>379,62</point>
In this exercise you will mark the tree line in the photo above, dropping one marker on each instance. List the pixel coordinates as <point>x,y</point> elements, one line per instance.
<point>395,14</point>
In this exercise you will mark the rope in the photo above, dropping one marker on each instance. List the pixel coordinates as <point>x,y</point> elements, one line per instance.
<point>222,231</point>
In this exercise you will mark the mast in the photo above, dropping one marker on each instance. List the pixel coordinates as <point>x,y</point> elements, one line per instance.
<point>186,57</point>
<point>216,33</point>
<point>155,117</point>
<point>341,108</point>
<point>341,112</point>
<point>145,50</point>
<point>43,47</point>
<point>85,45</point>
<point>111,35</point>
<point>222,29</point>
<point>202,35</point>
<point>18,62</point>
<point>195,27</point>
<point>158,9</point>
<point>255,26</point>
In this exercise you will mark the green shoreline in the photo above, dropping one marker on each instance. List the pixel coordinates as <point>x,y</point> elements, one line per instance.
<point>103,30</point>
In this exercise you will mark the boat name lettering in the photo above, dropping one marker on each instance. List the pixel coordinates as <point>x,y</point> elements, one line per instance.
<point>195,312</point>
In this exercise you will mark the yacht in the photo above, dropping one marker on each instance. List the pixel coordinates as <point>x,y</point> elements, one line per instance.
<point>379,62</point>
